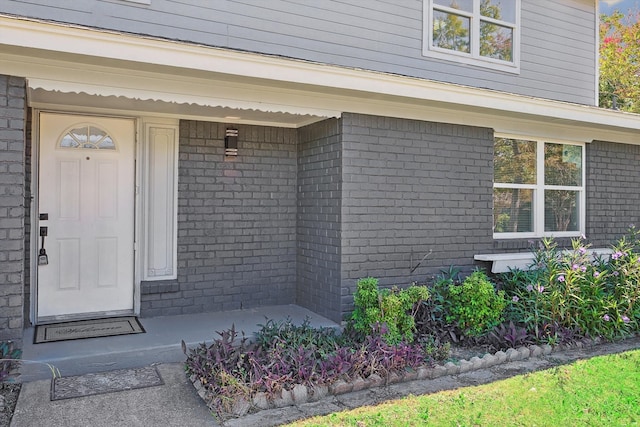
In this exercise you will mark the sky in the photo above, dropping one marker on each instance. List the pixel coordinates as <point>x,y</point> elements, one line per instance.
<point>608,6</point>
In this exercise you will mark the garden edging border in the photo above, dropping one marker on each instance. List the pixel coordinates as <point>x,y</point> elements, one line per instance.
<point>304,394</point>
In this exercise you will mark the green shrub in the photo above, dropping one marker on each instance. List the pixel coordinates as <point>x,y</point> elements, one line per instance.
<point>366,303</point>
<point>568,290</point>
<point>475,305</point>
<point>321,341</point>
<point>432,316</point>
<point>624,274</point>
<point>435,349</point>
<point>390,310</point>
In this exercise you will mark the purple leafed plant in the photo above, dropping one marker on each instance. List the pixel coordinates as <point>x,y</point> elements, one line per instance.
<point>509,336</point>
<point>9,362</point>
<point>286,355</point>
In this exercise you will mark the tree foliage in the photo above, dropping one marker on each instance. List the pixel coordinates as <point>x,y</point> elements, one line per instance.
<point>620,61</point>
<point>495,41</point>
<point>452,31</point>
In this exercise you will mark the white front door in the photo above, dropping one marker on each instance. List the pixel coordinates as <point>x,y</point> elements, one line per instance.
<point>86,201</point>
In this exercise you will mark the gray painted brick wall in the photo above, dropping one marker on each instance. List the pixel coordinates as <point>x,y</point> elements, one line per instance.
<point>27,216</point>
<point>300,215</point>
<point>236,221</point>
<point>613,191</point>
<point>12,208</point>
<point>412,187</point>
<point>319,217</point>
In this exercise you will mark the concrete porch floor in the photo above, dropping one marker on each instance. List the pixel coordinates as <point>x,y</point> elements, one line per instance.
<point>160,343</point>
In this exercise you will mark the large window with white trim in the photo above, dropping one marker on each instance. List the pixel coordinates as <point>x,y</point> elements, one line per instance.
<point>478,32</point>
<point>538,188</point>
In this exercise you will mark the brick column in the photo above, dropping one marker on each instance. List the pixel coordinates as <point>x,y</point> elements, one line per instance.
<point>12,212</point>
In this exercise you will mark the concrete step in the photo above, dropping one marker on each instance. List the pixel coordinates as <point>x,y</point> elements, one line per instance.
<point>160,344</point>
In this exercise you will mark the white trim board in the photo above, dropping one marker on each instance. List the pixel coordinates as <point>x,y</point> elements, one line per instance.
<point>504,262</point>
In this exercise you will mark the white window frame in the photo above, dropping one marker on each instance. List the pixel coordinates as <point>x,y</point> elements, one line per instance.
<point>474,57</point>
<point>539,189</point>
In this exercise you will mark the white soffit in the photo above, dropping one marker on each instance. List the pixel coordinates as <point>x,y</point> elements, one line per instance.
<point>199,81</point>
<point>81,101</point>
<point>48,94</point>
<point>54,82</point>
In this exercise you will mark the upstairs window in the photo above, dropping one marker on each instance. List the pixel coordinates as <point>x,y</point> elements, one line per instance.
<point>476,32</point>
<point>538,188</point>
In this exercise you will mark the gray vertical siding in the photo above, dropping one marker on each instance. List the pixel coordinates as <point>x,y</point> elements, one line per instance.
<point>236,222</point>
<point>559,49</point>
<point>558,37</point>
<point>319,218</point>
<point>12,207</point>
<point>412,187</point>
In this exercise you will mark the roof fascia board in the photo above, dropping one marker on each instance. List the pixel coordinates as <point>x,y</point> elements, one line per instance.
<point>57,76</point>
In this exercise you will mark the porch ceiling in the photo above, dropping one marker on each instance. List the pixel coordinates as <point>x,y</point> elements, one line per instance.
<point>45,96</point>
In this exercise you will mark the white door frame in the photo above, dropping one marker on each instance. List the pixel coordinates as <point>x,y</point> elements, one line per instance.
<point>34,240</point>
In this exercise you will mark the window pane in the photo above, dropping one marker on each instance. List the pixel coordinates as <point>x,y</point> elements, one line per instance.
<point>561,210</point>
<point>106,144</point>
<point>451,31</point>
<point>96,134</point>
<point>514,161</point>
<point>89,137</point>
<point>496,41</point>
<point>512,210</point>
<point>466,5</point>
<point>68,141</point>
<point>79,134</point>
<point>501,10</point>
<point>562,164</point>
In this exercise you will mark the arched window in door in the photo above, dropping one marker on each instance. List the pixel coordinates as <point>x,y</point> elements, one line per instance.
<point>87,136</point>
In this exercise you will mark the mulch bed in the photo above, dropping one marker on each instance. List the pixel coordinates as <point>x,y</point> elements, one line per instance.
<point>9,393</point>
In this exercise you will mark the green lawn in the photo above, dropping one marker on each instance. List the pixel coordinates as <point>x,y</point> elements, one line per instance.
<point>603,391</point>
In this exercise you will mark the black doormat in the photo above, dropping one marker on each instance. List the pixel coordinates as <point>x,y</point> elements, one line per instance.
<point>104,382</point>
<point>81,329</point>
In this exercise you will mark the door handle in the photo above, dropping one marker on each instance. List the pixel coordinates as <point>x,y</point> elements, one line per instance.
<point>43,259</point>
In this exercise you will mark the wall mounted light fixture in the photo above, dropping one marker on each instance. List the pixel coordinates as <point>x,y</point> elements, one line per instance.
<point>231,143</point>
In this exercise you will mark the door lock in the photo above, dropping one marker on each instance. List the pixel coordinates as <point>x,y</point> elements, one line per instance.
<point>43,259</point>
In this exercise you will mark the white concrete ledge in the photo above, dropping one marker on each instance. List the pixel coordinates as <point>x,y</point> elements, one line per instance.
<point>503,262</point>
